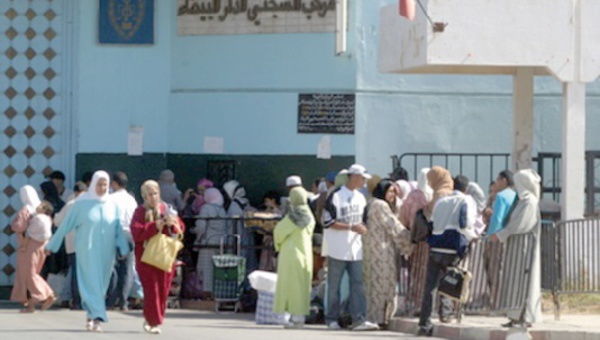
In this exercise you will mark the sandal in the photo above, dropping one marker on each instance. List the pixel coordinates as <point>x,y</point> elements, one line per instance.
<point>48,303</point>
<point>28,309</point>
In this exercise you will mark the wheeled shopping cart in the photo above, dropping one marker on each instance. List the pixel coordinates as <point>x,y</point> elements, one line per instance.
<point>229,271</point>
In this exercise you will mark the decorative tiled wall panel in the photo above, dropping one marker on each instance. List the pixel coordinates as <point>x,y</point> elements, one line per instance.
<point>31,105</point>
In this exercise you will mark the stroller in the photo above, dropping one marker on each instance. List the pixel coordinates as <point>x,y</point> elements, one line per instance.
<point>229,271</point>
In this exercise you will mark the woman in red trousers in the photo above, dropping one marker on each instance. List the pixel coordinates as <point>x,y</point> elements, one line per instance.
<point>147,220</point>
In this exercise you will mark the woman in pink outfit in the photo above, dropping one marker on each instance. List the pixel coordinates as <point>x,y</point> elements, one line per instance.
<point>30,258</point>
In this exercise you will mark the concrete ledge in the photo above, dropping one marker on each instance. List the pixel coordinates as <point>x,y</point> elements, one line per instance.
<point>207,305</point>
<point>479,331</point>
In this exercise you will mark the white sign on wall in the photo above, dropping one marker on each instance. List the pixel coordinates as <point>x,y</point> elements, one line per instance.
<point>207,17</point>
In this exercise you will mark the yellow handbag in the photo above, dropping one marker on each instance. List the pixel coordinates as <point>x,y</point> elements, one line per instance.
<point>161,251</point>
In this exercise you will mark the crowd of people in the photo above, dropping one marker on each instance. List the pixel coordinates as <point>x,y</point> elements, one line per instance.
<point>351,232</point>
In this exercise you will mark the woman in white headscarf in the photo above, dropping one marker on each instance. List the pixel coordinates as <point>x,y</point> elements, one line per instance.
<point>525,218</point>
<point>30,258</point>
<point>98,235</point>
<point>237,206</point>
<point>415,200</point>
<point>209,231</point>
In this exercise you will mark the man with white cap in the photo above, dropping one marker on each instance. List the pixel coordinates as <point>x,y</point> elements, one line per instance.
<point>343,222</point>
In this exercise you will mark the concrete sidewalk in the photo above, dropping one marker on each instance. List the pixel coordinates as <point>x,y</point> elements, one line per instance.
<point>571,327</point>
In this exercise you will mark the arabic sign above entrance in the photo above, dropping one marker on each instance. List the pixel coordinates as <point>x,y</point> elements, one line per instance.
<point>207,17</point>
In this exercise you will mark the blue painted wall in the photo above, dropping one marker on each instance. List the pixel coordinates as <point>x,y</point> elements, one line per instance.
<point>244,88</point>
<point>119,86</point>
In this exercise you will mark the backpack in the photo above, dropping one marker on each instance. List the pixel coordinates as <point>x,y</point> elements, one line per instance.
<point>421,228</point>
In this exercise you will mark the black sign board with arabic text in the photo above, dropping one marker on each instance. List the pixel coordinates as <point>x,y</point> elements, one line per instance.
<point>326,113</point>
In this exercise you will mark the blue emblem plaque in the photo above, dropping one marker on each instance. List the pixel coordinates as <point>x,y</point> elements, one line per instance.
<point>126,22</point>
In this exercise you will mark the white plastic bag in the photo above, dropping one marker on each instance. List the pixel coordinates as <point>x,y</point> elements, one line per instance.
<point>263,281</point>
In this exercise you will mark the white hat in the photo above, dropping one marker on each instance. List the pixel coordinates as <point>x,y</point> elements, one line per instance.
<point>357,169</point>
<point>292,181</point>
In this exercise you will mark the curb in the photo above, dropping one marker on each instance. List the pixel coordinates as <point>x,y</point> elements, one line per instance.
<point>469,332</point>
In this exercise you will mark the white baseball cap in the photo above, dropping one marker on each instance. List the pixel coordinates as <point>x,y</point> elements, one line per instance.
<point>357,169</point>
<point>292,181</point>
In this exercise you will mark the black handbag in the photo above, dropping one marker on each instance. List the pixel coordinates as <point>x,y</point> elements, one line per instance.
<point>455,284</point>
<point>421,228</point>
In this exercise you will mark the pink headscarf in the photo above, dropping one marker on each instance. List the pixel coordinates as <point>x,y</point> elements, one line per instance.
<point>200,200</point>
<point>405,187</point>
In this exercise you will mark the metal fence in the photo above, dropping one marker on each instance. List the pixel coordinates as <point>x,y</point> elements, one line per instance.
<point>577,267</point>
<point>493,290</point>
<point>482,168</point>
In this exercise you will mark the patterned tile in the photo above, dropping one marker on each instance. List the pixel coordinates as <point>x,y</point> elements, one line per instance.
<point>49,93</point>
<point>8,269</point>
<point>50,14</point>
<point>48,152</point>
<point>30,73</point>
<point>30,33</point>
<point>30,14</point>
<point>10,131</point>
<point>10,113</point>
<point>30,53</point>
<point>29,131</point>
<point>29,93</point>
<point>49,74</point>
<point>11,53</point>
<point>29,171</point>
<point>10,191</point>
<point>49,54</point>
<point>8,249</point>
<point>11,73</point>
<point>9,151</point>
<point>10,171</point>
<point>29,113</point>
<point>50,34</point>
<point>49,113</point>
<point>29,151</point>
<point>49,132</point>
<point>9,210</point>
<point>10,93</point>
<point>11,33</point>
<point>47,171</point>
<point>11,14</point>
<point>8,231</point>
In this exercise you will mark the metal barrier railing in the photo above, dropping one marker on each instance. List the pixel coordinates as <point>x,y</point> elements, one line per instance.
<point>485,262</point>
<point>578,259</point>
<point>479,167</point>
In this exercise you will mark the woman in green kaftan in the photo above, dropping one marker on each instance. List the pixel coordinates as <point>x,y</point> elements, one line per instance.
<point>293,241</point>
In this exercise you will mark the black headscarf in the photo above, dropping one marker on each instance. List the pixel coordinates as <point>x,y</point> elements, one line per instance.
<point>51,195</point>
<point>382,187</point>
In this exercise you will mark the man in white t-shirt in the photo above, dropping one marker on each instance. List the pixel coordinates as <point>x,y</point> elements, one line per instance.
<point>123,273</point>
<point>343,222</point>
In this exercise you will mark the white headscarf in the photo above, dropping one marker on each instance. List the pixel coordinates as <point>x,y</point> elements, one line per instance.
<point>29,198</point>
<point>423,185</point>
<point>475,191</point>
<point>91,192</point>
<point>405,187</point>
<point>527,184</point>
<point>234,190</point>
<point>213,196</point>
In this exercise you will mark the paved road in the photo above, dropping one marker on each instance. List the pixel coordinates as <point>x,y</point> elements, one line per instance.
<point>63,324</point>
